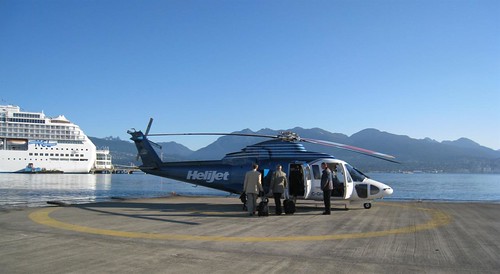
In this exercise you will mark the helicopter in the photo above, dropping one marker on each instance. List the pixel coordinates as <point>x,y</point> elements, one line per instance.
<point>286,149</point>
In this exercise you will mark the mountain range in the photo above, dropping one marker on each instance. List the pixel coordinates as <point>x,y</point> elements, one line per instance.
<point>425,155</point>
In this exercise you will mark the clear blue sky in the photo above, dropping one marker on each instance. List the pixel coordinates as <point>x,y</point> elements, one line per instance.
<point>417,68</point>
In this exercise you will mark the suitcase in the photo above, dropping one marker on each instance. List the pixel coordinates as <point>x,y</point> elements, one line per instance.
<point>243,198</point>
<point>263,208</point>
<point>289,206</point>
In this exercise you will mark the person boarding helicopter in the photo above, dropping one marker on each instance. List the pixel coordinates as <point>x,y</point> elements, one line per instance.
<point>278,187</point>
<point>252,186</point>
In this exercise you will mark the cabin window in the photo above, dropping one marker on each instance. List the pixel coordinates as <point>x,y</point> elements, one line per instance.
<point>316,172</point>
<point>362,190</point>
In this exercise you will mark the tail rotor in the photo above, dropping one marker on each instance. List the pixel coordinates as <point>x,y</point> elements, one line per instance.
<point>148,128</point>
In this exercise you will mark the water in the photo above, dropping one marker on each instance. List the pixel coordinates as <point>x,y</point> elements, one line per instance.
<point>33,190</point>
<point>442,187</point>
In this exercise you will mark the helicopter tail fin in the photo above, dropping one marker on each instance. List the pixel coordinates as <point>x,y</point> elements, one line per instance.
<point>145,150</point>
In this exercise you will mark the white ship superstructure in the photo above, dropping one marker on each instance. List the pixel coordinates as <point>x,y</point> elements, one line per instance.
<point>103,162</point>
<point>52,144</point>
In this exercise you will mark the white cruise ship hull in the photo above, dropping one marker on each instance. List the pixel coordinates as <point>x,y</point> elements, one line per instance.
<point>65,158</point>
<point>32,142</point>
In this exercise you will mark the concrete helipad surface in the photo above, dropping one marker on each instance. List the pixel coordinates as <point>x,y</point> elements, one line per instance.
<point>208,234</point>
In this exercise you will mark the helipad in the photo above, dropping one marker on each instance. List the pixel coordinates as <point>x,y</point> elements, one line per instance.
<point>435,218</point>
<point>208,234</point>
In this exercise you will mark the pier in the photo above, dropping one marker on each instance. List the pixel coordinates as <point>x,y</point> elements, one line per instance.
<point>116,169</point>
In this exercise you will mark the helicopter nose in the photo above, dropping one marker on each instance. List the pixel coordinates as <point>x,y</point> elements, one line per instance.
<point>388,191</point>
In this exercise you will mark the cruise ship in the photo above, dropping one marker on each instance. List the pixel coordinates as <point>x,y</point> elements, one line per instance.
<point>32,142</point>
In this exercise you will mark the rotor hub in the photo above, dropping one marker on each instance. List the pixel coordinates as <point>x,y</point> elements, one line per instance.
<point>289,136</point>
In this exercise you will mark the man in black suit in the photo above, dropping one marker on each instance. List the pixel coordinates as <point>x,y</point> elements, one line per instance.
<point>327,187</point>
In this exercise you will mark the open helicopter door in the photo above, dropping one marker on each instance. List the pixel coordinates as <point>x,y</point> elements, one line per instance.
<point>348,186</point>
<point>299,180</point>
<point>307,180</point>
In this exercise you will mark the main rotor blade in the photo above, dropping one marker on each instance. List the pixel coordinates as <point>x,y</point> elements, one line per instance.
<point>215,134</point>
<point>291,137</point>
<point>367,152</point>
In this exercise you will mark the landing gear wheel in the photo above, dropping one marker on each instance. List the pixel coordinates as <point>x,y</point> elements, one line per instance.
<point>367,205</point>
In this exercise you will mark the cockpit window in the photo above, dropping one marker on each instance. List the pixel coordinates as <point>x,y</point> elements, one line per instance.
<point>374,190</point>
<point>356,175</point>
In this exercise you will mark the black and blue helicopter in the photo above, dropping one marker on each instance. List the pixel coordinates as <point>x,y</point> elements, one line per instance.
<point>301,166</point>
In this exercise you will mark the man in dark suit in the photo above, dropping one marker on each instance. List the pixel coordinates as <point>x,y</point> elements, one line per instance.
<point>327,187</point>
<point>277,187</point>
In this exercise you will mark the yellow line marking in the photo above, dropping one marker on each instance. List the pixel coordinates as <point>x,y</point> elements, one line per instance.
<point>438,218</point>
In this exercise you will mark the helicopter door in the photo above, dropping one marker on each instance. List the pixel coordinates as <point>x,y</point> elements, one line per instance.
<point>296,178</point>
<point>338,181</point>
<point>308,180</point>
<point>348,182</point>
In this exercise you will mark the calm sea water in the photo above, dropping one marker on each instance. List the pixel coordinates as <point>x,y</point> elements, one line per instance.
<point>442,187</point>
<point>32,190</point>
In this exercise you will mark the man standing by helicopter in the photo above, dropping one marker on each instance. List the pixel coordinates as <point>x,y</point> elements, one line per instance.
<point>327,187</point>
<point>252,187</point>
<point>277,187</point>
